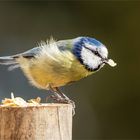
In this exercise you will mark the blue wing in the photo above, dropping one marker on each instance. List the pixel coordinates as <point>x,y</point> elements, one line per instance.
<point>11,60</point>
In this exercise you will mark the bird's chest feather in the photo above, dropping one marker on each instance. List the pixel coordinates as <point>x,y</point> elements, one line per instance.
<point>57,71</point>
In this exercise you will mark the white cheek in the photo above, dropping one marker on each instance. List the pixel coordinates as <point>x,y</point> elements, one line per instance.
<point>90,59</point>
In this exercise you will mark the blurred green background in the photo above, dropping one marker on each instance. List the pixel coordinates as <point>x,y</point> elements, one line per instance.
<point>107,103</point>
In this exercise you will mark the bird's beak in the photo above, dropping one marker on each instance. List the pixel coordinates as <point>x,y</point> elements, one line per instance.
<point>110,62</point>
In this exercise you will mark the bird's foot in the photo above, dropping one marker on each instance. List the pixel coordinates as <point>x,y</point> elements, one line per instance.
<point>66,100</point>
<point>60,97</point>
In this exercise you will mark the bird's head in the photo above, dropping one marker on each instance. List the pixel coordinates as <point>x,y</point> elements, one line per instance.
<point>91,53</point>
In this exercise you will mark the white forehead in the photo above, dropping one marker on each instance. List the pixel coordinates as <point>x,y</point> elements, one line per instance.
<point>101,49</point>
<point>91,47</point>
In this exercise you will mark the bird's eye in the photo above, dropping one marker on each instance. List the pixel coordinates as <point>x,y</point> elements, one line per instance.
<point>96,53</point>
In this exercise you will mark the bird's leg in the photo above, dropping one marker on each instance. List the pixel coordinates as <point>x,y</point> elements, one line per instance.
<point>65,99</point>
<point>55,95</point>
<point>61,97</point>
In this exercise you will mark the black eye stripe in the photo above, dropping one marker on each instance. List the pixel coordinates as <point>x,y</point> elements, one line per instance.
<point>95,52</point>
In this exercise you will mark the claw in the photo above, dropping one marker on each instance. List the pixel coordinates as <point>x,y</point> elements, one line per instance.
<point>61,98</point>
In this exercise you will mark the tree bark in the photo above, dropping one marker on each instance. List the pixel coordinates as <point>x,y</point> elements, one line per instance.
<point>43,122</point>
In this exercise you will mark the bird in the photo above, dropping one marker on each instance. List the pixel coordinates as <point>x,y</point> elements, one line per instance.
<point>53,64</point>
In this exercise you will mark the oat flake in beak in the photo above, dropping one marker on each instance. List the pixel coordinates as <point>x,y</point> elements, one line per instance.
<point>111,63</point>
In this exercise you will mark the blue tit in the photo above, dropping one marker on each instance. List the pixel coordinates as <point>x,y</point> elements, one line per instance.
<point>57,63</point>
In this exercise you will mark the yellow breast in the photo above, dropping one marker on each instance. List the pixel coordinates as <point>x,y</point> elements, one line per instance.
<point>56,69</point>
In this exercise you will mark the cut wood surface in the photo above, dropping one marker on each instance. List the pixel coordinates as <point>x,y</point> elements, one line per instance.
<point>43,122</point>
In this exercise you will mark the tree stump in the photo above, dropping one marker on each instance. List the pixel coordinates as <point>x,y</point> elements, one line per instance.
<point>43,122</point>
